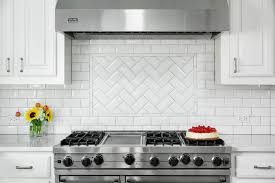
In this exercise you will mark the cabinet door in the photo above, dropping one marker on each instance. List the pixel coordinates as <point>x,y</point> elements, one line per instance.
<point>6,30</point>
<point>35,38</point>
<point>251,40</point>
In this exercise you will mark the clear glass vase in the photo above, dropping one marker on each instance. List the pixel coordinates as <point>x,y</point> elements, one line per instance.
<point>38,129</point>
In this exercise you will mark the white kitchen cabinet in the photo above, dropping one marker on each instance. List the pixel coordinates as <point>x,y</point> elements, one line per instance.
<point>6,37</point>
<point>35,46</point>
<point>26,167</point>
<point>252,167</point>
<point>245,55</point>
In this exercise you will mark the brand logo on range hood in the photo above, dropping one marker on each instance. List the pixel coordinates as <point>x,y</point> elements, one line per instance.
<point>72,20</point>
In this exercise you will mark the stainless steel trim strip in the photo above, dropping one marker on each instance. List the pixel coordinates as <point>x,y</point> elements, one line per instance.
<point>169,172</point>
<point>143,149</point>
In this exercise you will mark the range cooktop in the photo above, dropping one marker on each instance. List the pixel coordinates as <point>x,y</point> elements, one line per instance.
<point>149,138</point>
<point>137,150</point>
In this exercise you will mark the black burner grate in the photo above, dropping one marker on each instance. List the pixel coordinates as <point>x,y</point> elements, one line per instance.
<point>190,142</point>
<point>162,138</point>
<point>83,138</point>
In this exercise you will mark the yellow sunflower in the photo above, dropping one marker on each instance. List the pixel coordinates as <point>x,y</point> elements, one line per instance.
<point>32,114</point>
<point>49,115</point>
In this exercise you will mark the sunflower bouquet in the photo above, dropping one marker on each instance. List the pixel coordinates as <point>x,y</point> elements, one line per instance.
<point>38,117</point>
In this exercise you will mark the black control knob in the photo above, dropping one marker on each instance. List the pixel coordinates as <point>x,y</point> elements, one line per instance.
<point>68,161</point>
<point>98,159</point>
<point>225,161</point>
<point>217,161</point>
<point>86,161</point>
<point>173,161</point>
<point>154,161</point>
<point>198,161</point>
<point>185,159</point>
<point>129,159</point>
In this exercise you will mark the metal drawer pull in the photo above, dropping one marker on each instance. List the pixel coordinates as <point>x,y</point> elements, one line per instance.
<point>8,64</point>
<point>21,64</point>
<point>263,167</point>
<point>24,167</point>
<point>116,181</point>
<point>235,65</point>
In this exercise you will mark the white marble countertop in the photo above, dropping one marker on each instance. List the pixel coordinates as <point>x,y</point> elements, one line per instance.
<point>27,143</point>
<point>250,143</point>
<point>240,143</point>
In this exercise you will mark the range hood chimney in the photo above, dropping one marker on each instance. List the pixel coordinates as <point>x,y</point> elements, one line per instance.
<point>85,18</point>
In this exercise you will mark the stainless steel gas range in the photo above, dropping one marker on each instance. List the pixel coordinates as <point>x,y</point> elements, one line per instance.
<point>140,157</point>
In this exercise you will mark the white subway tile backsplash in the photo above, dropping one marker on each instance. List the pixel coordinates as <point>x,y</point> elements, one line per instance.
<point>80,76</point>
<point>8,93</point>
<point>242,111</point>
<point>260,111</point>
<point>142,84</point>
<point>260,130</point>
<point>142,121</point>
<point>26,94</point>
<point>107,121</point>
<point>87,49</point>
<point>18,103</point>
<point>81,112</point>
<point>242,130</point>
<point>124,121</point>
<point>199,48</point>
<point>55,102</point>
<point>6,130</point>
<point>45,93</point>
<point>72,102</point>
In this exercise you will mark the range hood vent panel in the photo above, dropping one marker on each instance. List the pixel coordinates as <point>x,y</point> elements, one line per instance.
<point>148,16</point>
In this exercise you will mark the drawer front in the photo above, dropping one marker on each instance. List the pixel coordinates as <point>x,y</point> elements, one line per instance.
<point>25,166</point>
<point>255,166</point>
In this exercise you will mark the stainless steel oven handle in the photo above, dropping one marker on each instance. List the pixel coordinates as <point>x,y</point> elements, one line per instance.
<point>263,167</point>
<point>64,180</point>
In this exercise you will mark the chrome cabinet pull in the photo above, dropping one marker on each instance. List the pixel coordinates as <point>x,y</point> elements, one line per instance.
<point>263,167</point>
<point>8,64</point>
<point>116,181</point>
<point>235,65</point>
<point>24,167</point>
<point>21,64</point>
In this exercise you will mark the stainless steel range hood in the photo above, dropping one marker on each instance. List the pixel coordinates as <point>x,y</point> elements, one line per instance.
<point>85,18</point>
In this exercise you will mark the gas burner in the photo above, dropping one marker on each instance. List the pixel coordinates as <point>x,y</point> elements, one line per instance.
<point>189,142</point>
<point>83,138</point>
<point>162,138</point>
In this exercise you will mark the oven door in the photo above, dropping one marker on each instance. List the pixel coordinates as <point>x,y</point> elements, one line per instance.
<point>177,179</point>
<point>89,179</point>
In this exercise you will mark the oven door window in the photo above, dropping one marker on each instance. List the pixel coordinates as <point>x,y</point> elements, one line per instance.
<point>176,179</point>
<point>89,179</point>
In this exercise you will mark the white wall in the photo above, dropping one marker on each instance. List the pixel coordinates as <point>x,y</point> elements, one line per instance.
<point>143,85</point>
